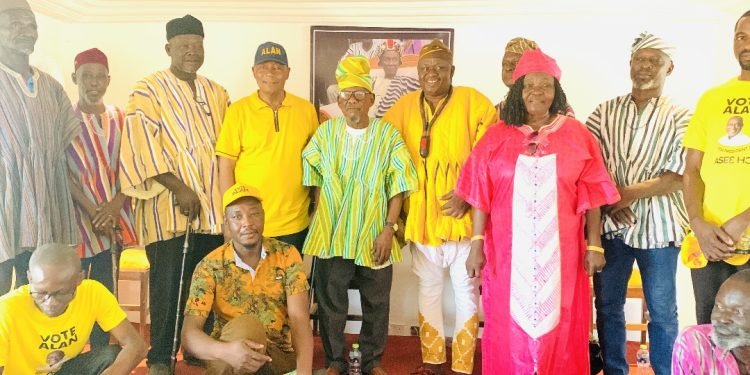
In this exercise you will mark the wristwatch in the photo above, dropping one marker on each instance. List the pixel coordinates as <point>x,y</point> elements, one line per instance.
<point>393,226</point>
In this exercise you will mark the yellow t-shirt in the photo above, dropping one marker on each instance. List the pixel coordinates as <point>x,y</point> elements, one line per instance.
<point>268,153</point>
<point>726,154</point>
<point>464,119</point>
<point>30,340</point>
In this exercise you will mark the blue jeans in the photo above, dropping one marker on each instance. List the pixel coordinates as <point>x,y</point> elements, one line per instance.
<point>658,271</point>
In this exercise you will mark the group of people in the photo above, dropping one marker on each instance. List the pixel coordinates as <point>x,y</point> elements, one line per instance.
<point>226,197</point>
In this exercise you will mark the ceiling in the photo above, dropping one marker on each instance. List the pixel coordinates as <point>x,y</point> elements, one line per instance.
<point>314,11</point>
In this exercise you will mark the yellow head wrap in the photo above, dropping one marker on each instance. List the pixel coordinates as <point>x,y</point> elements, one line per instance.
<point>436,45</point>
<point>354,71</point>
<point>520,45</point>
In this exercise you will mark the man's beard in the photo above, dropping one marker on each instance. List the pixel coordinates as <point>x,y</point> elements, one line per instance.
<point>354,118</point>
<point>740,337</point>
<point>650,84</point>
<point>745,66</point>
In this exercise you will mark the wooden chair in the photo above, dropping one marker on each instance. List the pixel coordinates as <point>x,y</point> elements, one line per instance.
<point>134,266</point>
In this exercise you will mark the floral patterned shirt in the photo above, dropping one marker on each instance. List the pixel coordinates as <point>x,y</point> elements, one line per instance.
<point>220,285</point>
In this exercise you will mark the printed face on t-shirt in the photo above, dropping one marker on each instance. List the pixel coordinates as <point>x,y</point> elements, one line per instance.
<point>734,126</point>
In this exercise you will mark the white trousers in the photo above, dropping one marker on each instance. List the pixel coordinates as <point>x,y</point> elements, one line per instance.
<point>429,264</point>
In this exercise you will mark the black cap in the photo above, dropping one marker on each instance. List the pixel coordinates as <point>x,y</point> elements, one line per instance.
<point>270,51</point>
<point>187,25</point>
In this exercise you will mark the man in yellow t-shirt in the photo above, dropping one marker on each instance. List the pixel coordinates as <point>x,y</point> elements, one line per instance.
<point>45,325</point>
<point>261,142</point>
<point>715,181</point>
<point>441,124</point>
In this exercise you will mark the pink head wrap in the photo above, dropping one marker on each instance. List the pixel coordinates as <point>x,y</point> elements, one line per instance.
<point>535,61</point>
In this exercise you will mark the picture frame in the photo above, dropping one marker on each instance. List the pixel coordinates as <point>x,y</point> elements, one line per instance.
<point>392,78</point>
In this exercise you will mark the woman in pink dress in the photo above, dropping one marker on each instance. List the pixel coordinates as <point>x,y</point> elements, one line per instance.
<point>536,181</point>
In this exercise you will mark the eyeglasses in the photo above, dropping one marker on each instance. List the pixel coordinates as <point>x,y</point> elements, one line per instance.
<point>59,295</point>
<point>358,95</point>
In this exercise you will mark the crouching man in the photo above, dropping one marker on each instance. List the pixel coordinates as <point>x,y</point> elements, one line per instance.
<point>45,325</point>
<point>258,292</point>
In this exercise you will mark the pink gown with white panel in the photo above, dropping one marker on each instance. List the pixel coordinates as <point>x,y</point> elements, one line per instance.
<point>536,188</point>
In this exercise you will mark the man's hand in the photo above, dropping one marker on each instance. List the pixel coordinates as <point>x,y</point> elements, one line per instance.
<point>593,262</point>
<point>736,227</point>
<point>626,199</point>
<point>92,211</point>
<point>455,206</point>
<point>381,249</point>
<point>51,369</point>
<point>245,355</point>
<point>188,201</point>
<point>715,243</point>
<point>622,217</point>
<point>475,261</point>
<point>107,214</point>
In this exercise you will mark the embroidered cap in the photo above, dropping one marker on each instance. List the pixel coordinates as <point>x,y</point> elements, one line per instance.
<point>238,191</point>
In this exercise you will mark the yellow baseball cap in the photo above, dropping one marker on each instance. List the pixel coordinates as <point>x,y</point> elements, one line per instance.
<point>692,256</point>
<point>238,191</point>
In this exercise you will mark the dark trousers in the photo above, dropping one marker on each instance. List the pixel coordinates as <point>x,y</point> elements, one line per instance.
<point>165,258</point>
<point>21,264</point>
<point>99,268</point>
<point>332,278</point>
<point>296,239</point>
<point>706,283</point>
<point>93,362</point>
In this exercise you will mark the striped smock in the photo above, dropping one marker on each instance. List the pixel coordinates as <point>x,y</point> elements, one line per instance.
<point>168,128</point>
<point>641,146</point>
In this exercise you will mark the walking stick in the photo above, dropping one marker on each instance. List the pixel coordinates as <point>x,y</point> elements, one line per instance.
<point>185,247</point>
<point>116,251</point>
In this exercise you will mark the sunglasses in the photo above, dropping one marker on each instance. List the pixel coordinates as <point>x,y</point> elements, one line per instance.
<point>358,95</point>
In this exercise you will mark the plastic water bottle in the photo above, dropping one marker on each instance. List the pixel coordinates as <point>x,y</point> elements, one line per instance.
<point>642,360</point>
<point>355,360</point>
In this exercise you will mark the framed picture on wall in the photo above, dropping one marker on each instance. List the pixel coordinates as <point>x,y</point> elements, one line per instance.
<point>393,54</point>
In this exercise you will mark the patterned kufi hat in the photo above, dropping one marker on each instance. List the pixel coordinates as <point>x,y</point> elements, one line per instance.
<point>435,46</point>
<point>520,45</point>
<point>648,40</point>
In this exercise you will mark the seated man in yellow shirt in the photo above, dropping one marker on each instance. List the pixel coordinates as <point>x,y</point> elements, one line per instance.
<point>45,325</point>
<point>258,292</point>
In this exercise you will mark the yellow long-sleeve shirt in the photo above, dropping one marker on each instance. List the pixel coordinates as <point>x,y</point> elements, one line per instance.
<point>462,122</point>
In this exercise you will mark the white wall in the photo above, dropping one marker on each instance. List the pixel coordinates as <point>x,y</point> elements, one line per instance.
<point>591,42</point>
